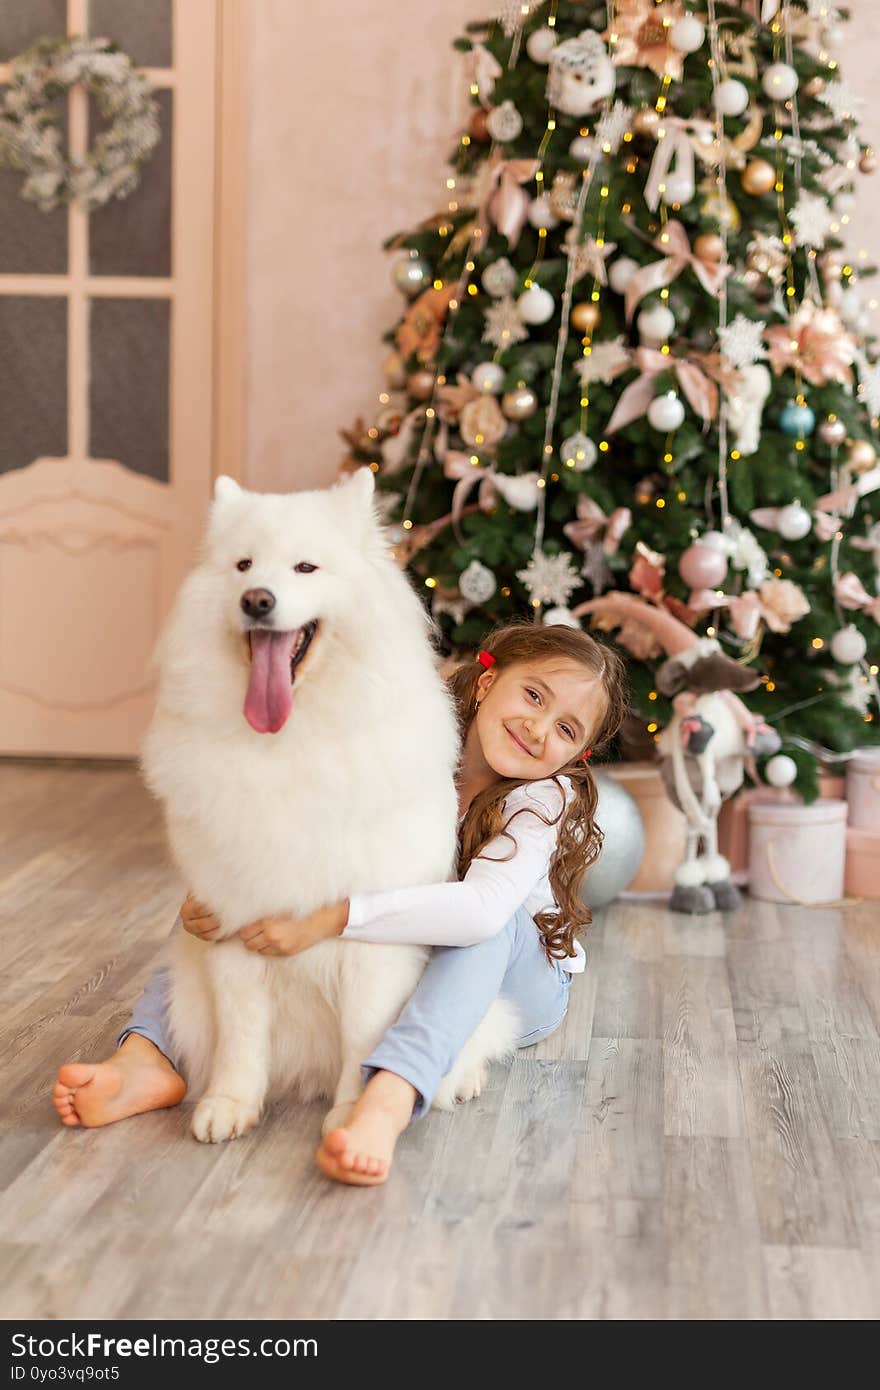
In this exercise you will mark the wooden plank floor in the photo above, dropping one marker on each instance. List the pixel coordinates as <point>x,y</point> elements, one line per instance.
<point>700,1140</point>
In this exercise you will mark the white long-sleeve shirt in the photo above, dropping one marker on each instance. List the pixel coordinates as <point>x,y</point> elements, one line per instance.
<point>466,911</point>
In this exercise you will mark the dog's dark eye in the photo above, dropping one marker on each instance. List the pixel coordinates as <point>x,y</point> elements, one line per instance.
<point>304,567</point>
<point>244,564</point>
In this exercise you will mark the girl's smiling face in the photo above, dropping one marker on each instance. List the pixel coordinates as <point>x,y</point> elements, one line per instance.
<point>534,717</point>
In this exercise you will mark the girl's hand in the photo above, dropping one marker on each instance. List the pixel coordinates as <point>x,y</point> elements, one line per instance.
<point>199,920</point>
<point>287,936</point>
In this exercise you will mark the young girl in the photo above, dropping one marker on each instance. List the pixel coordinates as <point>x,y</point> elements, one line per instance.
<point>531,709</point>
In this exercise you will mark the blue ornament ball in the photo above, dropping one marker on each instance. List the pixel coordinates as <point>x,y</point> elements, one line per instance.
<point>618,816</point>
<point>797,421</point>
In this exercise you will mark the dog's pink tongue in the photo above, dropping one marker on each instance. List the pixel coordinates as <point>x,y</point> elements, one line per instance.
<point>268,701</point>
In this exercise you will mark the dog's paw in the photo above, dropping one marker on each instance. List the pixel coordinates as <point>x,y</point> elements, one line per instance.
<point>470,1083</point>
<point>338,1117</point>
<point>218,1118</point>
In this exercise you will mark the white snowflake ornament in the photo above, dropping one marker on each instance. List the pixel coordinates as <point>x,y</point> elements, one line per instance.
<point>741,341</point>
<point>550,578</point>
<point>604,361</point>
<point>841,101</point>
<point>504,327</point>
<point>611,128</point>
<point>812,218</point>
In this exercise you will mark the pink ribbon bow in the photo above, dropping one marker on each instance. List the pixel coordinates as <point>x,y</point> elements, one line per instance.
<point>677,255</point>
<point>592,525</point>
<point>842,499</point>
<point>851,593</point>
<point>506,203</point>
<point>700,392</point>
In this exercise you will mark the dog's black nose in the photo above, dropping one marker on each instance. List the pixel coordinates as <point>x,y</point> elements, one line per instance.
<point>257,602</point>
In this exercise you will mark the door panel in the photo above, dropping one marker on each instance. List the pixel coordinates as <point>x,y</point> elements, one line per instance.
<point>106,339</point>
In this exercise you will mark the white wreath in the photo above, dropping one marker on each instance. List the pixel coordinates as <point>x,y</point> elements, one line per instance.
<point>30,134</point>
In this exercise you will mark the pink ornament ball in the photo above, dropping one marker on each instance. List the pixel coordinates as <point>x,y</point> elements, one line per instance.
<point>702,567</point>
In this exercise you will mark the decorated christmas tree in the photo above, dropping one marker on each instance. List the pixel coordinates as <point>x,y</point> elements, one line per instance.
<point>633,354</point>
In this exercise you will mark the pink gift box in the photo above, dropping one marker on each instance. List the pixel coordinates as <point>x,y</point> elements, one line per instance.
<point>863,790</point>
<point>863,862</point>
<point>797,853</point>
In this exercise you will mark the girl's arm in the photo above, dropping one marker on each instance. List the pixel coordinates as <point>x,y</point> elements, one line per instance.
<point>457,913</point>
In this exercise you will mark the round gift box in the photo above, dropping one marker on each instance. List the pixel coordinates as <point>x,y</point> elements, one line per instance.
<point>797,853</point>
<point>863,789</point>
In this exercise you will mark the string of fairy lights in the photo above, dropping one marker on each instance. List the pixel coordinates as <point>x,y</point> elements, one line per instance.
<point>785,112</point>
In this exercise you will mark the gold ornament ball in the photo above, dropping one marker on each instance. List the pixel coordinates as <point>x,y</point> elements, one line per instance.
<point>758,177</point>
<point>394,371</point>
<point>646,122</point>
<point>420,385</point>
<point>585,316</point>
<point>519,403</point>
<point>478,128</point>
<point>861,456</point>
<point>709,246</point>
<point>815,87</point>
<point>868,162</point>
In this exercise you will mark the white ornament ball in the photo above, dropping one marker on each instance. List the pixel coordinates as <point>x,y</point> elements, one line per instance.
<point>488,377</point>
<point>795,522</point>
<point>731,97</point>
<point>620,272</point>
<point>581,148</point>
<point>678,188</point>
<point>540,44</point>
<point>781,770</point>
<point>686,35</point>
<point>578,452</point>
<point>715,540</point>
<point>477,583</point>
<point>780,81</point>
<point>499,278</point>
<point>666,412</point>
<point>559,617</point>
<point>848,645</point>
<point>541,213</point>
<point>536,305</point>
<point>655,324</point>
<point>504,123</point>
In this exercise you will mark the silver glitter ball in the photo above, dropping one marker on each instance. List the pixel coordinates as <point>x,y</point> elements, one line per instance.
<point>411,275</point>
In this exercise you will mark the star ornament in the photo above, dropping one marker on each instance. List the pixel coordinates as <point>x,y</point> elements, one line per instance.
<point>588,258</point>
<point>550,578</point>
<point>504,327</point>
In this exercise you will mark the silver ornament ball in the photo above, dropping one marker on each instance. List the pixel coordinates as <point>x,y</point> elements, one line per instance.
<point>781,770</point>
<point>411,274</point>
<point>477,583</point>
<point>578,452</point>
<point>617,816</point>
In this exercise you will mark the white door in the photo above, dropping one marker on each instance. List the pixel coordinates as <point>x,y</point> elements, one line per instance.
<point>105,394</point>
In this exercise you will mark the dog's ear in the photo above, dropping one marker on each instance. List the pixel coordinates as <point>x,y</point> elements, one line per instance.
<point>226,488</point>
<point>354,498</point>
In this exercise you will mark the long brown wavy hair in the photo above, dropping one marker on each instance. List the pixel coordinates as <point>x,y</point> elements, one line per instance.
<point>579,838</point>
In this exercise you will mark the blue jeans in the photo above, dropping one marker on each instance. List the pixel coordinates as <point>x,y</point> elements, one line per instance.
<point>458,985</point>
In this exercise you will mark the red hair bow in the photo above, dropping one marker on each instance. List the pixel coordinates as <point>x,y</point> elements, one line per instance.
<point>486,659</point>
<point>585,756</point>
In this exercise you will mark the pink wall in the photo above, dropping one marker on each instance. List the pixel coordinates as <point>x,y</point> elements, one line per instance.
<point>353,107</point>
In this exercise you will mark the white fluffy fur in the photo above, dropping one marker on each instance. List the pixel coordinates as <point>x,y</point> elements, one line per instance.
<point>354,793</point>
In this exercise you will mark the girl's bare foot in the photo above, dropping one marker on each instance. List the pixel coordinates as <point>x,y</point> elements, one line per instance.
<point>361,1153</point>
<point>136,1078</point>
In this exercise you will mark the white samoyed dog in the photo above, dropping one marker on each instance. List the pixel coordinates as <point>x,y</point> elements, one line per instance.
<point>304,747</point>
